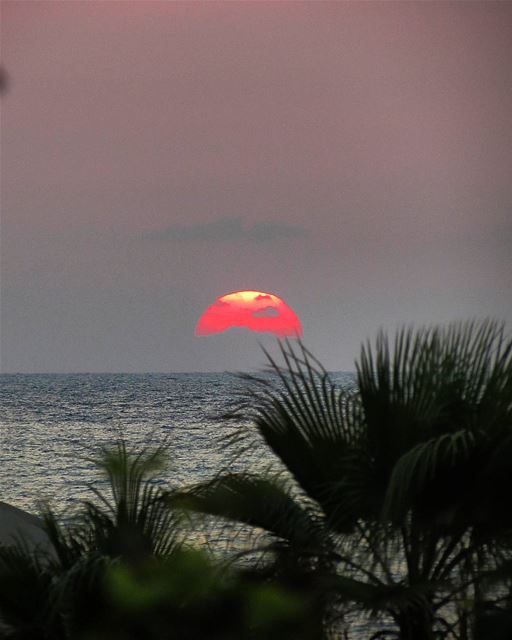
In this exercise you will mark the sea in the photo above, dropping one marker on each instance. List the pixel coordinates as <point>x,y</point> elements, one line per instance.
<point>54,426</point>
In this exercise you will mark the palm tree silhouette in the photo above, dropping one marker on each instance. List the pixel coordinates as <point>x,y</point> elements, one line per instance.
<point>121,568</point>
<point>395,493</point>
<point>53,593</point>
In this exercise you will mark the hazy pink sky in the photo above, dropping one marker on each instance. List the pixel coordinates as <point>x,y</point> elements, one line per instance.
<point>353,157</point>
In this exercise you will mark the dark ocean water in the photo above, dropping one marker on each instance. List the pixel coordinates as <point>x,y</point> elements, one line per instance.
<point>52,424</point>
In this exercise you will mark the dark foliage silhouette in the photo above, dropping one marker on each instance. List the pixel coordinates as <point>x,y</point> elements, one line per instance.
<point>398,490</point>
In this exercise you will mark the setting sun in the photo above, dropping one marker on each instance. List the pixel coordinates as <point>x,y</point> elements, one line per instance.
<point>255,310</point>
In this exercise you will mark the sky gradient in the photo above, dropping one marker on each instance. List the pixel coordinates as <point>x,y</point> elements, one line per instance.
<point>353,158</point>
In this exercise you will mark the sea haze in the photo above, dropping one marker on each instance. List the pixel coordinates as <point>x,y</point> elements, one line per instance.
<point>51,425</point>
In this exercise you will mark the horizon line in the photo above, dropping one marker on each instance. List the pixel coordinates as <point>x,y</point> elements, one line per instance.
<point>143,373</point>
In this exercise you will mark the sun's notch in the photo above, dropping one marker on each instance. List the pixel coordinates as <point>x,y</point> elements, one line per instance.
<point>267,312</point>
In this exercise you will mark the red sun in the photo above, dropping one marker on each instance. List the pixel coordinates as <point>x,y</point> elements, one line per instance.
<point>255,310</point>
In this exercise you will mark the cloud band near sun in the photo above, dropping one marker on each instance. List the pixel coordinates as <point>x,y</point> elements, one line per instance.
<point>228,229</point>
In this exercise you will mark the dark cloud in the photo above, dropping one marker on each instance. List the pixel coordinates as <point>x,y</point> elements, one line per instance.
<point>268,312</point>
<point>4,80</point>
<point>229,229</point>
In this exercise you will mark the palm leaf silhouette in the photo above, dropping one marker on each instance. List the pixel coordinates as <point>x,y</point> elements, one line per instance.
<point>397,471</point>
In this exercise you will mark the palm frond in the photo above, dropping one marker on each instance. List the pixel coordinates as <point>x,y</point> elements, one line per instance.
<point>260,502</point>
<point>129,517</point>
<point>433,381</point>
<point>25,587</point>
<point>68,541</point>
<point>382,597</point>
<point>418,468</point>
<point>310,424</point>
